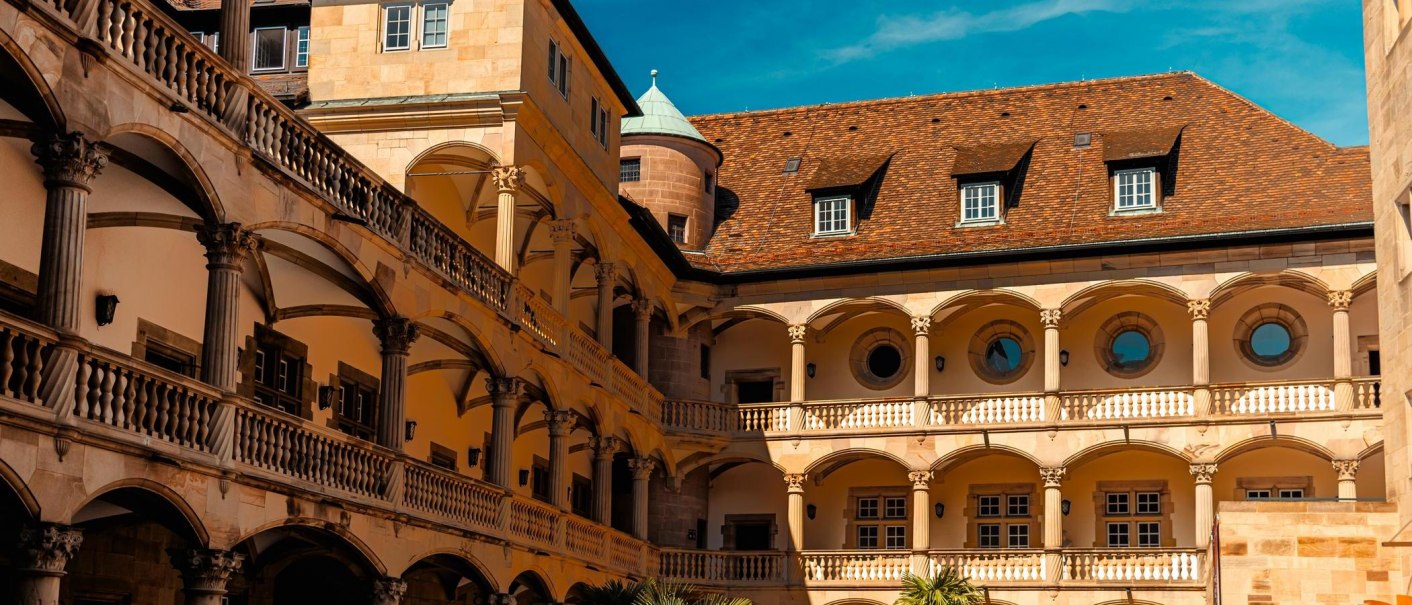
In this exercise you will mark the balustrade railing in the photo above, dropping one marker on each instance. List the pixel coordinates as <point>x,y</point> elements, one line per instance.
<point>855,567</point>
<point>299,450</point>
<point>866,414</point>
<point>1135,565</point>
<point>722,566</point>
<point>1367,393</point>
<point>116,391</point>
<point>532,521</point>
<point>992,567</point>
<point>452,496</point>
<point>585,539</point>
<point>1273,398</point>
<point>23,349</point>
<point>1126,403</point>
<point>762,418</point>
<point>987,409</point>
<point>698,416</point>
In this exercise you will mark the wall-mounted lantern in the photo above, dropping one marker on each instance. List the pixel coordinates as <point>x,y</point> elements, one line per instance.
<point>106,308</point>
<point>1064,358</point>
<point>940,509</point>
<point>411,429</point>
<point>940,363</point>
<point>811,369</point>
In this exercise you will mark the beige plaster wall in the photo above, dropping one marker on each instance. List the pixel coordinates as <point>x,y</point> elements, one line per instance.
<point>750,489</point>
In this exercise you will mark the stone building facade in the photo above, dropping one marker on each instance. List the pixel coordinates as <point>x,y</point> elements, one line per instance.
<point>475,325</point>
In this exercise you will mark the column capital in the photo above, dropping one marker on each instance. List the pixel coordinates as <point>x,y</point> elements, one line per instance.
<point>227,244</point>
<point>605,272</point>
<point>797,332</point>
<point>498,598</point>
<point>1347,469</point>
<point>922,326</point>
<point>1203,471</point>
<point>641,468</point>
<point>504,391</point>
<point>920,479</point>
<point>642,308</point>
<point>794,482</point>
<point>560,423</point>
<point>1199,309</point>
<point>388,591</point>
<point>206,570</point>
<point>1340,300</point>
<point>1053,476</point>
<point>562,231</point>
<point>396,334</point>
<point>605,447</point>
<point>47,548</point>
<point>507,178</point>
<point>69,160</point>
<point>1050,318</point>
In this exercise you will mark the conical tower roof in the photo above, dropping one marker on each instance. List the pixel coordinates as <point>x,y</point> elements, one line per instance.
<point>660,116</point>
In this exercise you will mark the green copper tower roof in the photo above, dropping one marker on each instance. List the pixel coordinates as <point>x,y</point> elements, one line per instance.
<point>660,116</point>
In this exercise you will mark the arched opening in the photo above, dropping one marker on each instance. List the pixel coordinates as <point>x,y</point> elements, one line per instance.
<point>748,506</point>
<point>1119,334</point>
<point>1274,469</point>
<point>15,513</point>
<point>862,500</point>
<point>987,341</point>
<point>746,356</point>
<point>295,564</point>
<point>985,498</point>
<point>860,349</point>
<point>445,580</point>
<point>1129,496</point>
<point>446,379</point>
<point>529,588</point>
<point>132,538</point>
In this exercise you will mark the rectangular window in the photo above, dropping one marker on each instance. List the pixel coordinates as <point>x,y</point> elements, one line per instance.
<point>1118,504</point>
<point>278,371</point>
<point>1017,506</point>
<point>630,170</point>
<point>1296,493</point>
<point>301,47</point>
<point>1149,503</point>
<point>397,27</point>
<point>867,508</point>
<point>598,122</point>
<point>895,508</point>
<point>170,358</point>
<point>357,409</point>
<point>214,41</point>
<point>559,68</point>
<point>1134,188</point>
<point>980,202</point>
<point>1118,536</point>
<point>709,181</point>
<point>831,215</point>
<point>442,456</point>
<point>988,535</point>
<point>581,495</point>
<point>1257,494</point>
<point>896,537</point>
<point>434,25</point>
<point>1149,534</point>
<point>1019,536</point>
<point>268,49</point>
<point>539,479</point>
<point>988,506</point>
<point>706,362</point>
<point>867,536</point>
<point>676,228</point>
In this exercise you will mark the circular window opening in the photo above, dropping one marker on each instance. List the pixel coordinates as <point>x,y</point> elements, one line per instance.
<point>1001,351</point>
<point>1270,336</point>
<point>1003,356</point>
<point>1271,343</point>
<point>1129,344</point>
<point>885,361</point>
<point>1130,350</point>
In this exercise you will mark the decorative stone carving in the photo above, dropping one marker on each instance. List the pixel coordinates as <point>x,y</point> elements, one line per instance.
<point>642,308</point>
<point>499,598</point>
<point>1199,309</point>
<point>69,160</point>
<point>642,468</point>
<point>47,548</point>
<point>507,178</point>
<point>797,332</point>
<point>206,570</point>
<point>1050,318</point>
<point>605,447</point>
<point>1203,471</point>
<point>560,423</point>
<point>388,591</point>
<point>562,231</point>
<point>922,325</point>
<point>226,244</point>
<point>794,482</point>
<point>396,333</point>
<point>605,272</point>
<point>1340,299</point>
<point>920,479</point>
<point>1053,475</point>
<point>1347,469</point>
<point>504,391</point>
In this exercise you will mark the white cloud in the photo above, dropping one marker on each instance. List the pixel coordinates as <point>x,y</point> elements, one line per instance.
<point>899,32</point>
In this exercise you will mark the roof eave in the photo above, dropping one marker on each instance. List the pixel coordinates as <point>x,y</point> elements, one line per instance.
<point>595,52</point>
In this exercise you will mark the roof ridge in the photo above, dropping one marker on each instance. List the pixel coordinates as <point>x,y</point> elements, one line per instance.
<point>1029,88</point>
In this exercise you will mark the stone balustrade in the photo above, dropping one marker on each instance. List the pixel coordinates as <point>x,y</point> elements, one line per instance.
<point>855,568</point>
<point>1127,404</point>
<point>23,349</point>
<point>1134,565</point>
<point>708,566</point>
<point>986,567</point>
<point>148,401</point>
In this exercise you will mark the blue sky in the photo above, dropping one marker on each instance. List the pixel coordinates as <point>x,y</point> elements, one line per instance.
<point>1301,59</point>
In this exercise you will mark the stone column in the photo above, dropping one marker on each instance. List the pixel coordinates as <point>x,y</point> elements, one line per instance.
<point>922,351</point>
<point>226,248</point>
<point>798,375</point>
<point>505,393</point>
<point>1050,318</point>
<point>204,573</point>
<point>641,472</point>
<point>397,335</point>
<point>921,520</point>
<point>43,552</point>
<point>607,278</point>
<point>388,591</point>
<point>642,313</point>
<point>559,424</point>
<point>794,486</point>
<point>70,164</point>
<point>1339,301</point>
<point>562,233</point>
<point>507,182</point>
<point>603,450</point>
<point>1205,506</point>
<point>1200,356</point>
<point>235,34</point>
<point>1053,521</point>
<point>1347,479</point>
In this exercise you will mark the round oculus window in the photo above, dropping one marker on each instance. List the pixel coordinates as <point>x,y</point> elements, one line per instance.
<point>1129,344</point>
<point>879,358</point>
<point>1001,351</point>
<point>1271,336</point>
<point>1003,356</point>
<point>1271,343</point>
<point>884,361</point>
<point>1130,349</point>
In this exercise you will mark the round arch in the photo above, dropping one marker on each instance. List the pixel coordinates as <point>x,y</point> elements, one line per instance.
<point>972,299</point>
<point>532,582</point>
<point>1376,448</point>
<point>838,458</point>
<point>960,456</point>
<point>856,601</point>
<point>1263,441</point>
<point>43,105</point>
<point>323,529</point>
<point>161,503</point>
<point>729,318</point>
<point>441,149</point>
<point>1099,450</point>
<point>1367,283</point>
<point>860,305</point>
<point>448,561</point>
<point>15,485</point>
<point>377,298</point>
<point>475,333</point>
<point>208,202</point>
<point>1086,298</point>
<point>1288,278</point>
<point>703,459</point>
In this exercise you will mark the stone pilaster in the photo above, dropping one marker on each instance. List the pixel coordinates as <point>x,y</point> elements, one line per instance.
<point>227,246</point>
<point>507,183</point>
<point>205,572</point>
<point>505,394</point>
<point>603,450</point>
<point>560,424</point>
<point>396,335</point>
<point>42,553</point>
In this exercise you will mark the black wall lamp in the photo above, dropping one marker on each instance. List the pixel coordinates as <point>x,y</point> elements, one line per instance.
<point>1064,358</point>
<point>811,510</point>
<point>1065,506</point>
<point>810,368</point>
<point>473,456</point>
<point>326,396</point>
<point>524,477</point>
<point>940,509</point>
<point>105,308</point>
<point>411,429</point>
<point>940,363</point>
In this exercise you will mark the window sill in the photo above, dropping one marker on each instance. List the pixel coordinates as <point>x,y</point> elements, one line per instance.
<point>1136,211</point>
<point>832,235</point>
<point>976,224</point>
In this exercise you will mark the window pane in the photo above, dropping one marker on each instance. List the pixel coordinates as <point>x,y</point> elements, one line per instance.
<point>1019,536</point>
<point>553,61</point>
<point>832,215</point>
<point>988,535</point>
<point>301,48</point>
<point>1118,535</point>
<point>1018,506</point>
<point>433,25</point>
<point>895,508</point>
<point>989,506</point>
<point>1257,494</point>
<point>630,170</point>
<point>1149,534</point>
<point>676,228</point>
<point>979,202</point>
<point>1292,493</point>
<point>896,537</point>
<point>563,75</point>
<point>398,28</point>
<point>1149,503</point>
<point>867,508</point>
<point>269,48</point>
<point>867,536</point>
<point>1118,504</point>
<point>1135,188</point>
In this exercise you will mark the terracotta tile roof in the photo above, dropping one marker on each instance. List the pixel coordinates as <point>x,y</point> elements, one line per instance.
<point>294,85</point>
<point>845,171</point>
<point>1239,169</point>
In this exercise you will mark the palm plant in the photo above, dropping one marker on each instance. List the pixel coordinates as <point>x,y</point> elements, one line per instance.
<point>944,587</point>
<point>616,592</point>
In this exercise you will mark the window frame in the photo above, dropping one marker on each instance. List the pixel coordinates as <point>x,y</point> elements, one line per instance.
<point>996,511</point>
<point>561,68</point>
<point>671,234</point>
<point>995,202</point>
<point>876,508</point>
<point>301,37</point>
<point>637,172</point>
<point>266,349</point>
<point>598,122</point>
<point>1154,184</point>
<point>283,50</point>
<point>1136,505</point>
<point>387,22</point>
<point>819,205</point>
<point>445,24</point>
<point>362,384</point>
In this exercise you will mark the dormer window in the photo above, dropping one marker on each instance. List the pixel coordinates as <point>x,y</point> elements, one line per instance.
<point>833,215</point>
<point>980,202</point>
<point>1135,189</point>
